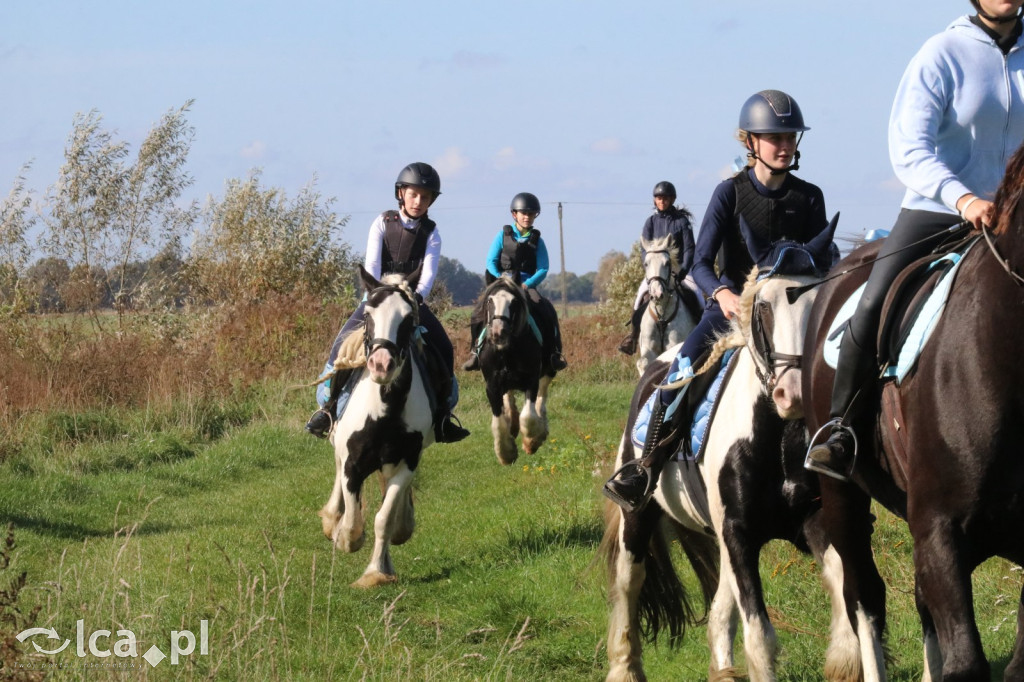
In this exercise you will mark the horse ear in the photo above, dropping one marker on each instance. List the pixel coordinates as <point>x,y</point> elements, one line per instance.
<point>759,247</point>
<point>819,245</point>
<point>369,282</point>
<point>413,278</point>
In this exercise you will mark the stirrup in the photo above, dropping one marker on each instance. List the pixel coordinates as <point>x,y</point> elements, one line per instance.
<point>841,474</point>
<point>316,430</point>
<point>631,504</point>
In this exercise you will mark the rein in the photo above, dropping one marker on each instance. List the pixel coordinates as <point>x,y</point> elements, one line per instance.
<point>1005,263</point>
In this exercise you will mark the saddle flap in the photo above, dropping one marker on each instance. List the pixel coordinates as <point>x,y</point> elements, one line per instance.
<point>907,297</point>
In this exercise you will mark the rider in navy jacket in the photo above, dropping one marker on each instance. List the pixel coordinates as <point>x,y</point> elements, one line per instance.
<point>763,203</point>
<point>667,219</point>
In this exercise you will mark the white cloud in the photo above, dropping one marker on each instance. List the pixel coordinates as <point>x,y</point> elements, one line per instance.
<point>451,162</point>
<point>254,150</point>
<point>607,145</point>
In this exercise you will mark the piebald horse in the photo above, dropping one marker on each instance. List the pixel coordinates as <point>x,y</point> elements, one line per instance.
<point>385,427</point>
<point>673,310</point>
<point>510,361</point>
<point>748,488</point>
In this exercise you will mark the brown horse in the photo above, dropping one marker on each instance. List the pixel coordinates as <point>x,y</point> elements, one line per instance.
<point>955,468</point>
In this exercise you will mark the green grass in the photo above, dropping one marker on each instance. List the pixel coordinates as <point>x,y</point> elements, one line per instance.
<point>151,524</point>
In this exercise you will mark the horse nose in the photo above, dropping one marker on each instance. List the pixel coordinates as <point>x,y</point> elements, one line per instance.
<point>380,362</point>
<point>786,396</point>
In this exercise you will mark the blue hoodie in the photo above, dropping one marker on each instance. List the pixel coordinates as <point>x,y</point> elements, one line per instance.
<point>957,118</point>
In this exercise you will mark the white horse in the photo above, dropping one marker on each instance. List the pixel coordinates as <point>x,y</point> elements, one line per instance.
<point>673,310</point>
<point>384,428</point>
<point>510,360</point>
<point>748,488</point>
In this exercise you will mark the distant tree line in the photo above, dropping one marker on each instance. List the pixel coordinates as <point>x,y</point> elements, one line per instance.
<point>113,229</point>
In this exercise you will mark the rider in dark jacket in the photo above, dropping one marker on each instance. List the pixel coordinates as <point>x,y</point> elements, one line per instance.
<point>765,199</point>
<point>667,219</point>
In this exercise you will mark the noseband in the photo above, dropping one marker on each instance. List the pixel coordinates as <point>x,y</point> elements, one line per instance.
<point>372,344</point>
<point>762,325</point>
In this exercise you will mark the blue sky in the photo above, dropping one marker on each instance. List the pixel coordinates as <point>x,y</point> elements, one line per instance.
<point>585,103</point>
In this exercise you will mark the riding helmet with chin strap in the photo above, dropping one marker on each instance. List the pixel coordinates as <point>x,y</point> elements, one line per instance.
<point>524,201</point>
<point>421,175</point>
<point>999,20</point>
<point>665,189</point>
<point>772,111</point>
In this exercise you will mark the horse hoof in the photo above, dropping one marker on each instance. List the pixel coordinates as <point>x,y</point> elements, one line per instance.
<point>374,579</point>
<point>328,522</point>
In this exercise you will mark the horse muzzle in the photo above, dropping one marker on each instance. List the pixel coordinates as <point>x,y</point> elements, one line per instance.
<point>787,396</point>
<point>382,365</point>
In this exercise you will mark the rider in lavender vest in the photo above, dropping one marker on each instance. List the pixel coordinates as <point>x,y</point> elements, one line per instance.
<point>957,118</point>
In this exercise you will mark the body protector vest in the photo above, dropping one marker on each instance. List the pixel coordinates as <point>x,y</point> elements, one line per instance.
<point>403,250</point>
<point>516,256</point>
<point>772,219</point>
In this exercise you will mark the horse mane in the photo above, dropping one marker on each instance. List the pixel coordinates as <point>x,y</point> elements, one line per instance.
<point>736,335</point>
<point>1008,196</point>
<point>666,244</point>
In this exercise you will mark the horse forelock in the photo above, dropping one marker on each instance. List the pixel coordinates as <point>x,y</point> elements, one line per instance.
<point>665,244</point>
<point>508,285</point>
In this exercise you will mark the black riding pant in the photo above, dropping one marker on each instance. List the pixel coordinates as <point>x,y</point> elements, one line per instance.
<point>914,235</point>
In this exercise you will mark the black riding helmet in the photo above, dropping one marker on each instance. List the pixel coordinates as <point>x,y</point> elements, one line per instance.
<point>418,174</point>
<point>524,201</point>
<point>665,189</point>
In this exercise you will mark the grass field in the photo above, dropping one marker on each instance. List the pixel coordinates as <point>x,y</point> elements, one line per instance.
<point>127,523</point>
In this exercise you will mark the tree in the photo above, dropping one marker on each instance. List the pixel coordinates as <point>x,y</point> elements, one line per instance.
<point>257,243</point>
<point>605,268</point>
<point>15,222</point>
<point>105,213</point>
<point>43,281</point>
<point>622,285</point>
<point>463,285</point>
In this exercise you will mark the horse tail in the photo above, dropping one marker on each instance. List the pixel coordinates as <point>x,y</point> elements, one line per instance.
<point>664,600</point>
<point>664,603</point>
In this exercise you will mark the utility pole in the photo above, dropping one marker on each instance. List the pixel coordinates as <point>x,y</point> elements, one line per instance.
<point>561,248</point>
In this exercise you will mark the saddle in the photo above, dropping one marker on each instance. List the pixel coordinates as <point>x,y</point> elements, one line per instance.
<point>697,409</point>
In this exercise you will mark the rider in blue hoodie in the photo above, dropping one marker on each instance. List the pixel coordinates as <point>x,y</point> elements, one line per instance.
<point>957,118</point>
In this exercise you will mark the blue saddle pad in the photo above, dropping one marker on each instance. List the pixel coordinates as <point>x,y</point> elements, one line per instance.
<point>921,330</point>
<point>701,417</point>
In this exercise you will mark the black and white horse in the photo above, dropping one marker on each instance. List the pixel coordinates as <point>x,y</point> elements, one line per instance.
<point>511,360</point>
<point>385,427</point>
<point>749,487</point>
<point>673,310</point>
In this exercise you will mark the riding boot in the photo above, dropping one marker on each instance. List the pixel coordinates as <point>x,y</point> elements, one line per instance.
<point>628,345</point>
<point>447,427</point>
<point>633,484</point>
<point>837,455</point>
<point>322,420</point>
<point>473,363</point>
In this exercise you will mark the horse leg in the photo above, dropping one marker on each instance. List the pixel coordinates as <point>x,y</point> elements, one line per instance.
<point>380,570</point>
<point>723,620</point>
<point>533,418</point>
<point>944,592</point>
<point>501,427</point>
<point>847,519</point>
<point>932,653</point>
<point>330,514</point>
<point>405,518</point>
<point>512,413</point>
<point>627,577</point>
<point>740,554</point>
<point>1015,670</point>
<point>842,659</point>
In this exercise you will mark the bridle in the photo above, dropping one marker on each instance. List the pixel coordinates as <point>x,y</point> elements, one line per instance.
<point>370,343</point>
<point>664,281</point>
<point>512,320</point>
<point>762,326</point>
